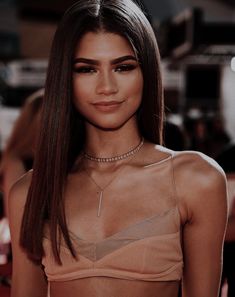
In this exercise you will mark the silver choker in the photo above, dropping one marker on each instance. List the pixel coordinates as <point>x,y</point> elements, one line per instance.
<point>116,158</point>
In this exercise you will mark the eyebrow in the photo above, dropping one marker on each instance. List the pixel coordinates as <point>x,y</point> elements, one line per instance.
<point>96,62</point>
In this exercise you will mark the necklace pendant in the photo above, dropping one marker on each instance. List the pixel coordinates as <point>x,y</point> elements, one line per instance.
<point>100,203</point>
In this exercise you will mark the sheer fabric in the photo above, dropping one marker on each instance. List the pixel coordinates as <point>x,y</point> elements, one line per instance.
<point>148,250</point>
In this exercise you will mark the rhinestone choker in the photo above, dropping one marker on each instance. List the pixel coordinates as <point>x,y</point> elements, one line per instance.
<point>116,158</point>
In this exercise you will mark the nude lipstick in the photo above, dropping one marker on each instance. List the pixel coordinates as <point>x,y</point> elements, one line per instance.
<point>108,106</point>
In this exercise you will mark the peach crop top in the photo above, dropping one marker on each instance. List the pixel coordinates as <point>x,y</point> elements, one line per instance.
<point>149,250</point>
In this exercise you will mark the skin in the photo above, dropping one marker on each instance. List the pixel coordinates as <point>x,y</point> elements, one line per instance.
<point>109,81</point>
<point>200,185</point>
<point>230,231</point>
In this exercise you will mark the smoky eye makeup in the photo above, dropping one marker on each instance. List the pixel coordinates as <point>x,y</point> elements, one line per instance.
<point>83,69</point>
<point>125,67</point>
<point>91,69</point>
<point>125,64</point>
<point>121,64</point>
<point>83,65</point>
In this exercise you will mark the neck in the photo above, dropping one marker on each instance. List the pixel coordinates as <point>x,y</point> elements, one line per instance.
<point>100,143</point>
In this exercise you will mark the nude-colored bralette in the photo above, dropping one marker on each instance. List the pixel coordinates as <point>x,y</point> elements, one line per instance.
<point>149,250</point>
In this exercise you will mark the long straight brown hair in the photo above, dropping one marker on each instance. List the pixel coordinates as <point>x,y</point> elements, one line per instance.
<point>62,133</point>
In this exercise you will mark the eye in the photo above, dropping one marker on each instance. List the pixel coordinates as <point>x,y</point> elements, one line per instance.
<point>84,69</point>
<point>125,67</point>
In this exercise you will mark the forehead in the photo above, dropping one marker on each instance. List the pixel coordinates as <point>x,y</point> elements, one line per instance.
<point>102,44</point>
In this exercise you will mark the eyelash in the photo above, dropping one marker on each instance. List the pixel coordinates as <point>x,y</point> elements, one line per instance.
<point>89,70</point>
<point>84,69</point>
<point>125,67</point>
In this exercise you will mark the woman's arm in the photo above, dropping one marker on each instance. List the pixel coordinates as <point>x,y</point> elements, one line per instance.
<point>13,169</point>
<point>202,192</point>
<point>28,279</point>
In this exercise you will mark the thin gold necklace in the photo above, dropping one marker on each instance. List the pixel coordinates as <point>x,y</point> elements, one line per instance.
<point>101,189</point>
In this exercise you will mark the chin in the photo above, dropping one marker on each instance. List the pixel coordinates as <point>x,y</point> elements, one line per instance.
<point>109,124</point>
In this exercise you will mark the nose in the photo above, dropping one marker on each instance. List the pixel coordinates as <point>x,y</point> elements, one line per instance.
<point>106,84</point>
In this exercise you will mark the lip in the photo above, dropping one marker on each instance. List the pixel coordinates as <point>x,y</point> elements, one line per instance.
<point>107,105</point>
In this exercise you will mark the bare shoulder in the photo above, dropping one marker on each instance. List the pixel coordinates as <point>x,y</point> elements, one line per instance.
<point>187,164</point>
<point>19,191</point>
<point>200,182</point>
<point>197,167</point>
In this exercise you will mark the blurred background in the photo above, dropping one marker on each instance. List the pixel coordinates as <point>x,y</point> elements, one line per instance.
<point>197,45</point>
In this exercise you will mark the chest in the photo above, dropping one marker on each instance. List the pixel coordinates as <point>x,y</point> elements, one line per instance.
<point>96,209</point>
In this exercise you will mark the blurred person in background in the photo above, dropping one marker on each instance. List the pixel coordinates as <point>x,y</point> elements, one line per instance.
<point>173,136</point>
<point>17,157</point>
<point>217,135</point>
<point>206,134</point>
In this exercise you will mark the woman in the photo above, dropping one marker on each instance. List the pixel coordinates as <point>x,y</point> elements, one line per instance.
<point>18,155</point>
<point>110,212</point>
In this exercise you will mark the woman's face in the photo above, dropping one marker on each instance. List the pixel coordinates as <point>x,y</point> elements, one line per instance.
<point>107,80</point>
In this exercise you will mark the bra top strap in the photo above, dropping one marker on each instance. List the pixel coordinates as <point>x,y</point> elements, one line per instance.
<point>173,182</point>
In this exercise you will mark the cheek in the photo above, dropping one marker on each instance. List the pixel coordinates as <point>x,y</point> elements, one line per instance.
<point>140,86</point>
<point>134,92</point>
<point>78,89</point>
<point>136,87</point>
<point>80,92</point>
